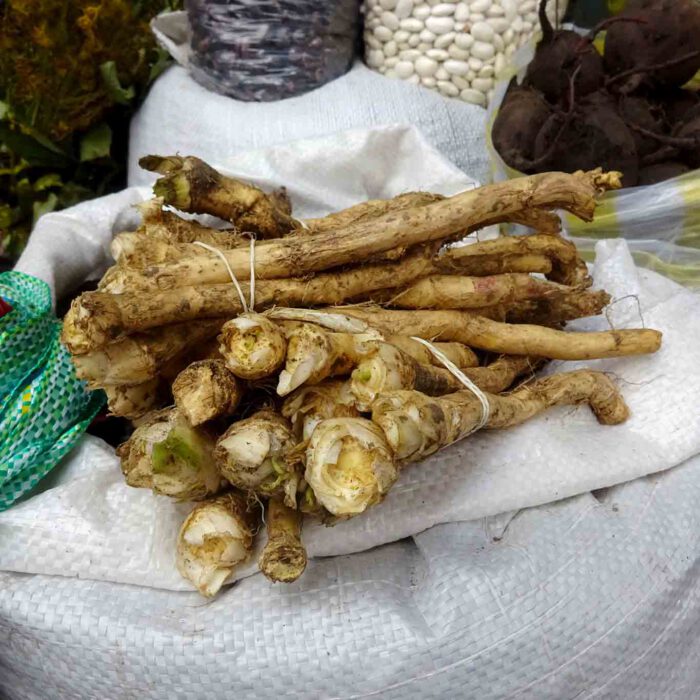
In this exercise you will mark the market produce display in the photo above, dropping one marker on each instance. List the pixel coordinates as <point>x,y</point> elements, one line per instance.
<point>626,109</point>
<point>457,47</point>
<point>296,376</point>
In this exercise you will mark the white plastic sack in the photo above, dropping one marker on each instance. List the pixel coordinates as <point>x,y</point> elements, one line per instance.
<point>179,115</point>
<point>573,600</point>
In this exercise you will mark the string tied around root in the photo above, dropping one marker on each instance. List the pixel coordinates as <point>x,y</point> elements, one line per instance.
<point>468,383</point>
<point>247,306</point>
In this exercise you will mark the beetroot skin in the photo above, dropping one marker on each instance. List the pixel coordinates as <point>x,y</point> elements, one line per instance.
<point>595,137</point>
<point>519,119</point>
<point>668,31</point>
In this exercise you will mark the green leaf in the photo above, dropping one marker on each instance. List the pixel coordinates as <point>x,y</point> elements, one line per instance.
<point>96,143</point>
<point>31,150</point>
<point>110,78</point>
<point>4,109</point>
<point>40,208</point>
<point>47,181</point>
<point>162,61</point>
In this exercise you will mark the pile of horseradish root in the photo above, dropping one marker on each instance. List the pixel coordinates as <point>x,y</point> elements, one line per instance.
<point>300,369</point>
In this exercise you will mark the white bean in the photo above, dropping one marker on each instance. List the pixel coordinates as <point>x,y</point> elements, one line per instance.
<point>443,9</point>
<point>401,35</point>
<point>390,73</point>
<point>390,48</point>
<point>424,46</point>
<point>437,54</point>
<point>428,81</point>
<point>427,36</point>
<point>483,50</point>
<point>422,12</point>
<point>409,54</point>
<point>477,17</point>
<point>372,42</point>
<point>479,6</point>
<point>527,26</point>
<point>487,71</point>
<point>476,63</point>
<point>391,62</point>
<point>413,79</point>
<point>383,33</point>
<point>404,69</point>
<point>510,8</point>
<point>498,24</point>
<point>459,81</point>
<point>388,4</point>
<point>442,74</point>
<point>411,24</point>
<point>375,58</point>
<point>508,35</point>
<point>517,25</point>
<point>444,40</point>
<point>482,84</point>
<point>455,67</point>
<point>464,41</point>
<point>413,40</point>
<point>403,8</point>
<point>390,21</point>
<point>499,65</point>
<point>482,31</point>
<point>470,76</point>
<point>456,52</point>
<point>462,12</point>
<point>440,25</point>
<point>495,11</point>
<point>473,96</point>
<point>447,88</point>
<point>425,66</point>
<point>498,43</point>
<point>460,26</point>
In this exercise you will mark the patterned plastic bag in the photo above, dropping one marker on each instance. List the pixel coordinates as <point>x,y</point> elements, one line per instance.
<point>44,408</point>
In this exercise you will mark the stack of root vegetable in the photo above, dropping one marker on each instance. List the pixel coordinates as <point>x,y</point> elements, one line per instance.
<point>300,373</point>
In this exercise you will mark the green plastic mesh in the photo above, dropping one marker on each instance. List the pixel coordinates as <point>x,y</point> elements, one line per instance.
<point>44,408</point>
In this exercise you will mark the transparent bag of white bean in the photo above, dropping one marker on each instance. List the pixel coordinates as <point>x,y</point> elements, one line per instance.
<point>263,50</point>
<point>454,46</point>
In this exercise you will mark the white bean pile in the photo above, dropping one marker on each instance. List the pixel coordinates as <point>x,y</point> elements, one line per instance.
<point>457,47</point>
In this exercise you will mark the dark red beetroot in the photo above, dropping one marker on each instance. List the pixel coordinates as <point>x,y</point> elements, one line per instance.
<point>676,104</point>
<point>519,119</point>
<point>638,111</point>
<point>661,171</point>
<point>655,48</point>
<point>691,130</point>
<point>595,137</point>
<point>558,55</point>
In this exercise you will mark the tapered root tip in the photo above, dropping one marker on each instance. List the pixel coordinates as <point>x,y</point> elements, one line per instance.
<point>162,164</point>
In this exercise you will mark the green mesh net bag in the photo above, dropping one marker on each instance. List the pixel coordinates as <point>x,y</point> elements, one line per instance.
<point>44,408</point>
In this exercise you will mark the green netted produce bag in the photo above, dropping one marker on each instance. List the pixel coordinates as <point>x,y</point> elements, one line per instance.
<point>661,222</point>
<point>44,408</point>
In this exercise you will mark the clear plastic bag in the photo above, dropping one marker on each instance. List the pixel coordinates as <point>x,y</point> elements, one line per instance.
<point>264,50</point>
